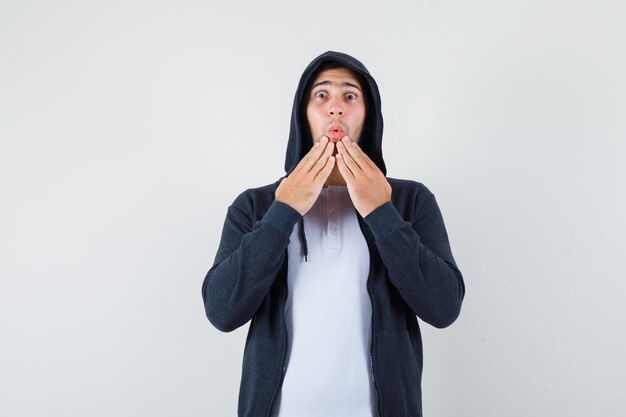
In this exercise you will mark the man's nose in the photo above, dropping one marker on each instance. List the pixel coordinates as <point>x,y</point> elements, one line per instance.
<point>335,108</point>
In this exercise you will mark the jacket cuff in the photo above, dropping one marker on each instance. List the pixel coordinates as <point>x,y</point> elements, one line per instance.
<point>281,217</point>
<point>383,219</point>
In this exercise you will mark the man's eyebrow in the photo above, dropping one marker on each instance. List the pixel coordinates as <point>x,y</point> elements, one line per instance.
<point>343,84</point>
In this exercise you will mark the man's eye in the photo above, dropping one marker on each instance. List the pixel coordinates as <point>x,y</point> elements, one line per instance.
<point>351,96</point>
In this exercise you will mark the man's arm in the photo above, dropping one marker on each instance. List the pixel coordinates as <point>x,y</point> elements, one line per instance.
<point>420,262</point>
<point>250,254</point>
<point>247,262</point>
<point>417,255</point>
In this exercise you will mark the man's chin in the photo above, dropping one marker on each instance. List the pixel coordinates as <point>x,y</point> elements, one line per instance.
<point>334,140</point>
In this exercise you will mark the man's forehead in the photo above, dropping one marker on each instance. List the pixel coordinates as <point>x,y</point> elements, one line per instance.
<point>339,76</point>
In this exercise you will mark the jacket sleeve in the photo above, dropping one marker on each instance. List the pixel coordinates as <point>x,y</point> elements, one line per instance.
<point>418,257</point>
<point>247,262</point>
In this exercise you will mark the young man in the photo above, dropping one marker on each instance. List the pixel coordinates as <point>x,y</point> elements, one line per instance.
<point>333,264</point>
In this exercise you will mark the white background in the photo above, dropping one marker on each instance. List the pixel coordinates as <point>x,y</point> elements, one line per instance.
<point>128,127</point>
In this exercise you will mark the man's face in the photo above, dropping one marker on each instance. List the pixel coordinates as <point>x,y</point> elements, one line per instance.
<point>336,106</point>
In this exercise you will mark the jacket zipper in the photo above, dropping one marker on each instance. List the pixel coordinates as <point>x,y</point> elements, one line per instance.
<point>284,354</point>
<point>369,293</point>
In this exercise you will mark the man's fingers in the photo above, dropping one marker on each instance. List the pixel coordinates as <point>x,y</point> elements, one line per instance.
<point>308,161</point>
<point>343,168</point>
<point>347,158</point>
<point>321,162</point>
<point>325,172</point>
<point>360,157</point>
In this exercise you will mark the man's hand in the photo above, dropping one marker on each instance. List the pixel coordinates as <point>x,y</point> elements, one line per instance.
<point>302,187</point>
<point>367,185</point>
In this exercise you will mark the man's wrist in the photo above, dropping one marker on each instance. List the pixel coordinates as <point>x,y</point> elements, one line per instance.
<point>382,219</point>
<point>281,216</point>
<point>289,204</point>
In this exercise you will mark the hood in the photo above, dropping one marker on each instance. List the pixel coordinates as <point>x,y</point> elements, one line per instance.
<point>300,141</point>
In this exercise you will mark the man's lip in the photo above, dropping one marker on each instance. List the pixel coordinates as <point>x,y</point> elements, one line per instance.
<point>335,132</point>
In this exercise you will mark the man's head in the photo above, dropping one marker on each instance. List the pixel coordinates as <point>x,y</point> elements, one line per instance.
<point>310,120</point>
<point>335,105</point>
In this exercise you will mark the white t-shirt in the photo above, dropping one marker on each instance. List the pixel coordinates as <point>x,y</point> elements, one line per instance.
<point>328,316</point>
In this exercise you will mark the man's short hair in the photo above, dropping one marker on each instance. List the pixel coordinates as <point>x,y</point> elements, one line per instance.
<point>330,65</point>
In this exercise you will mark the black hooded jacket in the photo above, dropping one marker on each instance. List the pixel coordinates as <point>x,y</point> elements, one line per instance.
<point>412,271</point>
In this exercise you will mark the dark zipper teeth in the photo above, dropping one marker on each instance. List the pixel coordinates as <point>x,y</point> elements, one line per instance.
<point>369,293</point>
<point>282,367</point>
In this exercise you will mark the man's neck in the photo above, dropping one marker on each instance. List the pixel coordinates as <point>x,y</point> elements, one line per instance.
<point>335,178</point>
